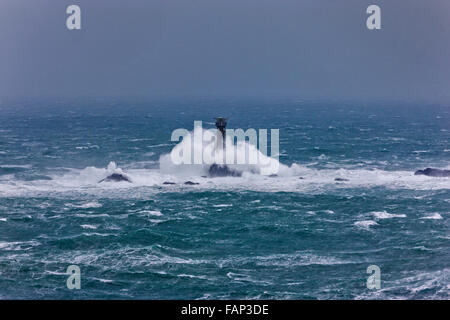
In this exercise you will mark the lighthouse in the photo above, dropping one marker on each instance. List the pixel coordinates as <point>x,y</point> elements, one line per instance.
<point>222,170</point>
<point>221,124</point>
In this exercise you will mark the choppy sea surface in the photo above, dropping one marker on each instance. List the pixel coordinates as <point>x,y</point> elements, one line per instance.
<point>298,235</point>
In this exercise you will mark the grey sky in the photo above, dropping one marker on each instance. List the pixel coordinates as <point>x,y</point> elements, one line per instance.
<point>305,48</point>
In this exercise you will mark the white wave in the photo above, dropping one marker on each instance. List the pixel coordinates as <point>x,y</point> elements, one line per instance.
<point>253,161</point>
<point>83,215</point>
<point>89,234</point>
<point>297,259</point>
<point>433,216</point>
<point>15,166</point>
<point>245,278</point>
<point>87,147</point>
<point>222,205</point>
<point>149,154</point>
<point>413,284</point>
<point>86,205</point>
<point>256,177</point>
<point>159,145</point>
<point>365,224</point>
<point>183,275</point>
<point>18,245</point>
<point>296,178</point>
<point>55,273</point>
<point>387,215</point>
<point>88,226</point>
<point>103,280</point>
<point>151,212</point>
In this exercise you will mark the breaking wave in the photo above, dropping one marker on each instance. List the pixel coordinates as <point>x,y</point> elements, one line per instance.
<point>294,178</point>
<point>197,155</point>
<point>267,174</point>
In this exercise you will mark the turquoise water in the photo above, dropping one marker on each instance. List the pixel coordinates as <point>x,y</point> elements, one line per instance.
<point>299,235</point>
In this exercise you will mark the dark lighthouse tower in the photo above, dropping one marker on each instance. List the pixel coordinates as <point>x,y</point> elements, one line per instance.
<point>222,170</point>
<point>221,124</point>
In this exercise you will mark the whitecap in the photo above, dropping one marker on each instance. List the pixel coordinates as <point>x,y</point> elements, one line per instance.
<point>87,147</point>
<point>299,178</point>
<point>103,280</point>
<point>297,259</point>
<point>433,216</point>
<point>159,145</point>
<point>18,245</point>
<point>15,166</point>
<point>55,273</point>
<point>387,215</point>
<point>243,156</point>
<point>183,275</point>
<point>151,212</point>
<point>88,226</point>
<point>90,234</point>
<point>365,224</point>
<point>86,205</point>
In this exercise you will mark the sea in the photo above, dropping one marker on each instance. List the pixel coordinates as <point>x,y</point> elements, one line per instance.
<point>344,202</point>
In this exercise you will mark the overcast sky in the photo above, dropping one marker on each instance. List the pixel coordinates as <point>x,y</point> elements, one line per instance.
<point>304,48</point>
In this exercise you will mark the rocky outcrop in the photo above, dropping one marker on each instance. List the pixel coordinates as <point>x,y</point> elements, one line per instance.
<point>116,177</point>
<point>430,172</point>
<point>217,170</point>
<point>190,183</point>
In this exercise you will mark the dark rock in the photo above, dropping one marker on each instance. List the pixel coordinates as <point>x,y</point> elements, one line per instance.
<point>222,171</point>
<point>301,178</point>
<point>168,182</point>
<point>273,176</point>
<point>341,179</point>
<point>116,177</point>
<point>190,183</point>
<point>433,172</point>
